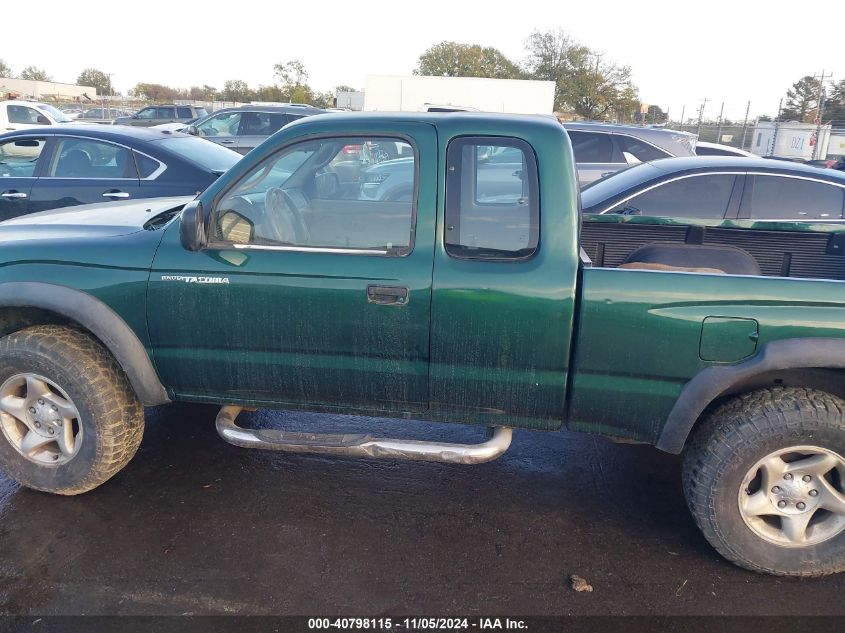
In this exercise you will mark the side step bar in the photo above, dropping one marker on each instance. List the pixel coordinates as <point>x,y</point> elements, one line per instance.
<point>361,445</point>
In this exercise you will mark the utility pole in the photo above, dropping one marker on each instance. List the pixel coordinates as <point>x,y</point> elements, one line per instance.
<point>771,148</point>
<point>683,111</point>
<point>719,131</point>
<point>701,115</point>
<point>745,125</point>
<point>820,111</point>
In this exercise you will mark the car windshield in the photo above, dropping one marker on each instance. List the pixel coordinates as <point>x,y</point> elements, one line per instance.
<point>609,186</point>
<point>57,114</point>
<point>207,155</point>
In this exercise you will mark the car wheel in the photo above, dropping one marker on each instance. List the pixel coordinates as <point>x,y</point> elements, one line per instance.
<point>69,419</point>
<point>764,478</point>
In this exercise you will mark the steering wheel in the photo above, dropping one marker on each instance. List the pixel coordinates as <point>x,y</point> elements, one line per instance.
<point>282,220</point>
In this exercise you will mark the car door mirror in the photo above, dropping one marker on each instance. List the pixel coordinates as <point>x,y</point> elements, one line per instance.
<point>235,228</point>
<point>193,232</point>
<point>326,185</point>
<point>43,120</point>
<point>192,130</point>
<point>631,159</point>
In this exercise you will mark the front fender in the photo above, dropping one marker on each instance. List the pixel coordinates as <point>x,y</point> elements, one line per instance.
<point>99,319</point>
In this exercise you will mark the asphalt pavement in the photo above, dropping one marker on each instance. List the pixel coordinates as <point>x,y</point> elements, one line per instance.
<point>196,526</point>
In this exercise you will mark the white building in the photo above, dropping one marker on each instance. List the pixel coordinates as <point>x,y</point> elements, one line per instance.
<point>413,93</point>
<point>46,90</point>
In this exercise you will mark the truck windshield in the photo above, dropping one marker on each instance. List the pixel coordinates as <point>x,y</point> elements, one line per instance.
<point>58,115</point>
<point>211,156</point>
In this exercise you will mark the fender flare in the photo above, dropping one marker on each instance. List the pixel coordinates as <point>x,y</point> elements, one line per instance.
<point>99,319</point>
<point>710,383</point>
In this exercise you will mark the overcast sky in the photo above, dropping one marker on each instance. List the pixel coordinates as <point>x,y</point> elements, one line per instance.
<point>680,51</point>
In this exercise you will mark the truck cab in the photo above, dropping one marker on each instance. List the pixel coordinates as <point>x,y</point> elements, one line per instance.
<point>23,115</point>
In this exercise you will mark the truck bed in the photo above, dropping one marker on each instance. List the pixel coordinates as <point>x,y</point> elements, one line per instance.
<point>781,249</point>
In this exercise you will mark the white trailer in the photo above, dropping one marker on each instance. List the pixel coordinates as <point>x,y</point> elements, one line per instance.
<point>791,140</point>
<point>414,93</point>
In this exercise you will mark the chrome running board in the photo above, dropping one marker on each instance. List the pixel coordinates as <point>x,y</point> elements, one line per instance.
<point>361,445</point>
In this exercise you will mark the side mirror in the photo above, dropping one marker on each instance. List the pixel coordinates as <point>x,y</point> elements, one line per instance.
<point>43,120</point>
<point>193,232</point>
<point>192,130</point>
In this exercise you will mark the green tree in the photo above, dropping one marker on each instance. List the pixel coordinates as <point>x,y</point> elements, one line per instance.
<point>236,90</point>
<point>834,108</point>
<point>344,88</point>
<point>802,100</point>
<point>97,78</point>
<point>203,93</point>
<point>5,69</point>
<point>454,59</point>
<point>33,73</point>
<point>154,92</point>
<point>583,83</point>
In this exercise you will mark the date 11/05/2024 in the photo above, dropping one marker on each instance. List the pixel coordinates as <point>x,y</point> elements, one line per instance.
<point>414,624</point>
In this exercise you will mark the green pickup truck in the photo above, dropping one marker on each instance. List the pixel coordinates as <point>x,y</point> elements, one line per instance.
<point>302,279</point>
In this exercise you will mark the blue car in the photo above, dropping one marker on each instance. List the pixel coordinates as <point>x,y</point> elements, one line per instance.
<point>43,169</point>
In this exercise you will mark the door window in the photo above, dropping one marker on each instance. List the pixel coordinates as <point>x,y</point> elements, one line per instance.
<point>591,147</point>
<point>83,158</point>
<point>18,157</point>
<point>492,199</point>
<point>783,198</point>
<point>317,194</point>
<point>262,123</point>
<point>25,115</point>
<point>705,196</point>
<point>639,149</point>
<point>147,113</point>
<point>225,124</point>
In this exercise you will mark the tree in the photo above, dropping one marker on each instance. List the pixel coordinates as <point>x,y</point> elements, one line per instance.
<point>154,92</point>
<point>97,78</point>
<point>236,90</point>
<point>33,73</point>
<point>344,88</point>
<point>802,100</point>
<point>204,93</point>
<point>5,70</point>
<point>583,84</point>
<point>834,108</point>
<point>453,59</point>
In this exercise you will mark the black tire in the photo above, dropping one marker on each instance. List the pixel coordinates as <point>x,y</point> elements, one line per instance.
<point>728,444</point>
<point>111,418</point>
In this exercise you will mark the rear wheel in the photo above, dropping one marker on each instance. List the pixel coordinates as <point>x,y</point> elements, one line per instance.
<point>68,417</point>
<point>764,478</point>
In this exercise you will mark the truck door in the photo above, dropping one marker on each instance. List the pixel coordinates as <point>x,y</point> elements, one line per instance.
<point>313,290</point>
<point>504,284</point>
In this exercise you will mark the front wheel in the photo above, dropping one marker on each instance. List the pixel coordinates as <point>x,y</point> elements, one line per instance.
<point>69,419</point>
<point>764,478</point>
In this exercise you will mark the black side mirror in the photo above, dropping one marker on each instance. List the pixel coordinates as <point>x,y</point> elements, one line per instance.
<point>192,130</point>
<point>193,232</point>
<point>43,120</point>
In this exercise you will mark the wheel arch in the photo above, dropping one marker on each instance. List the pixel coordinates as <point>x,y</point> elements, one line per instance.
<point>817,363</point>
<point>23,304</point>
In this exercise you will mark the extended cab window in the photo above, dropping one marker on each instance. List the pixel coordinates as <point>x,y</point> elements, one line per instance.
<point>778,197</point>
<point>83,158</point>
<point>19,157</point>
<point>492,199</point>
<point>340,194</point>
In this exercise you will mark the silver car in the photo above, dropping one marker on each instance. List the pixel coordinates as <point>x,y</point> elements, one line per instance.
<point>602,149</point>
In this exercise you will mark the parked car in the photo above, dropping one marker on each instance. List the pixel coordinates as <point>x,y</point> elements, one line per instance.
<point>276,287</point>
<point>703,148</point>
<point>154,115</point>
<point>64,166</point>
<point>720,187</point>
<point>246,127</point>
<point>73,113</point>
<point>602,148</point>
<point>22,115</point>
<point>102,115</point>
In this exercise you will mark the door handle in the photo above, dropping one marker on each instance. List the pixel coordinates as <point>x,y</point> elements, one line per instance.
<point>13,194</point>
<point>226,141</point>
<point>387,295</point>
<point>115,194</point>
